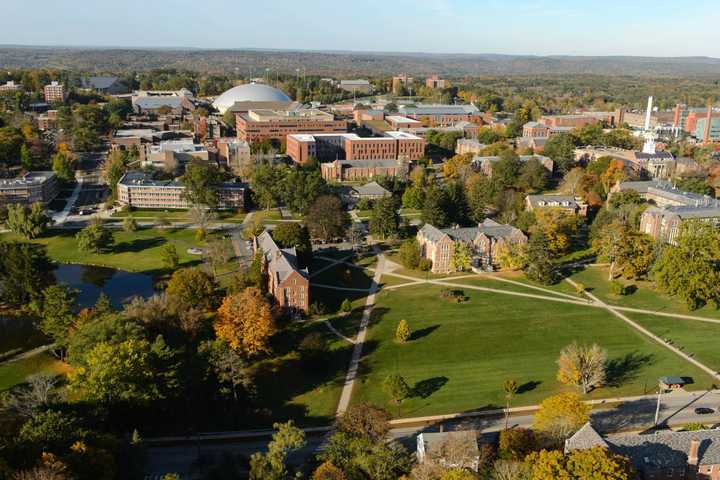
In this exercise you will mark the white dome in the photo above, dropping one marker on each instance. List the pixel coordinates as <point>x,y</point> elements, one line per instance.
<point>250,92</point>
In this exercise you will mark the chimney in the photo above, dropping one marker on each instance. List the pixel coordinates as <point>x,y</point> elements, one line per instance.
<point>708,121</point>
<point>693,453</point>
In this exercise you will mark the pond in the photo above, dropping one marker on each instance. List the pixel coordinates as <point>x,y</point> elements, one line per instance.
<point>120,286</point>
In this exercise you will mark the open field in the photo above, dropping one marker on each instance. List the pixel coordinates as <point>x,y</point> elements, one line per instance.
<point>132,251</point>
<point>460,354</point>
<point>645,296</point>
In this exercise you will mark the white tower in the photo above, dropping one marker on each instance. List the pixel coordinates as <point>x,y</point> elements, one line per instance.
<point>649,134</point>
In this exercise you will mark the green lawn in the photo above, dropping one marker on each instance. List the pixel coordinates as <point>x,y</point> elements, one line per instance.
<point>693,337</point>
<point>462,353</point>
<point>645,296</point>
<point>132,251</point>
<point>177,215</point>
<point>344,276</point>
<point>15,373</point>
<point>495,281</point>
<point>293,388</point>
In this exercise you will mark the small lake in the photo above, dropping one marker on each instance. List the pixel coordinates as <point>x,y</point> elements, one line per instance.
<point>120,286</point>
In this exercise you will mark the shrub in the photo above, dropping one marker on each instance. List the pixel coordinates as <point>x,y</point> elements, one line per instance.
<point>454,296</point>
<point>693,427</point>
<point>346,306</point>
<point>200,234</point>
<point>316,308</point>
<point>580,287</point>
<point>617,288</point>
<point>425,264</point>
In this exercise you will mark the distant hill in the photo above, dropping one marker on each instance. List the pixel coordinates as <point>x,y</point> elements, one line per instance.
<point>349,63</point>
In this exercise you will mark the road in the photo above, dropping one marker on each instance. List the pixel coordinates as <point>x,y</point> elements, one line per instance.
<point>677,409</point>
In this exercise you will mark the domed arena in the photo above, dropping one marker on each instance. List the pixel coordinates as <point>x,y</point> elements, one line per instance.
<point>250,92</point>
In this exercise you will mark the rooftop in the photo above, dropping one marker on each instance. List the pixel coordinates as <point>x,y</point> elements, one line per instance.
<point>30,178</point>
<point>437,109</point>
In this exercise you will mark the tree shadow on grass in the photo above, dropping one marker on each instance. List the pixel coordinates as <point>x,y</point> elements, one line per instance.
<point>528,386</point>
<point>625,369</point>
<point>423,332</point>
<point>138,245</point>
<point>425,388</point>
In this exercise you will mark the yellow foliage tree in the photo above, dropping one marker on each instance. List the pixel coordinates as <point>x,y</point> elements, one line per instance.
<point>561,415</point>
<point>457,166</point>
<point>328,471</point>
<point>559,226</point>
<point>582,366</point>
<point>245,322</point>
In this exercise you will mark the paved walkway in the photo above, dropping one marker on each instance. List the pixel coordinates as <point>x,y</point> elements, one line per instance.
<point>337,332</point>
<point>60,217</point>
<point>360,339</point>
<point>648,333</point>
<point>237,240</point>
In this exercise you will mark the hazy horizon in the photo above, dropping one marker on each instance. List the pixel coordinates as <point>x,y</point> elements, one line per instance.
<point>645,28</point>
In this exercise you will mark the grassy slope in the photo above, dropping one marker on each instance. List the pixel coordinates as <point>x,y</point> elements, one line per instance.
<point>14,373</point>
<point>133,251</point>
<point>465,352</point>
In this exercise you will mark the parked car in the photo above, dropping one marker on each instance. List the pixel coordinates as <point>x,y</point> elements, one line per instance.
<point>704,411</point>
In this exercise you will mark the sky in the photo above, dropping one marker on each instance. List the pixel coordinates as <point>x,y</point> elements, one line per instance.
<point>532,27</point>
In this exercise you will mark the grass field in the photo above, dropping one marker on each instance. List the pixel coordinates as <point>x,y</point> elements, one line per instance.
<point>177,215</point>
<point>693,337</point>
<point>291,387</point>
<point>15,373</point>
<point>645,296</point>
<point>132,251</point>
<point>460,354</point>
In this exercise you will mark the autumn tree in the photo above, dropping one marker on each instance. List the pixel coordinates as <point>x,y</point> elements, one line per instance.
<point>595,462</point>
<point>458,166</point>
<point>630,253</point>
<point>689,268</point>
<point>559,228</point>
<point>512,255</point>
<point>326,218</point>
<point>561,415</point>
<point>582,366</point>
<point>113,168</point>
<point>365,420</point>
<point>245,322</point>
<point>402,333</point>
<point>328,471</point>
<point>130,224</point>
<point>409,253</point>
<point>62,166</point>
<point>192,286</point>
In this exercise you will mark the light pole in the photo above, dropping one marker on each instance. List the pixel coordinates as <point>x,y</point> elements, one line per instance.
<point>657,407</point>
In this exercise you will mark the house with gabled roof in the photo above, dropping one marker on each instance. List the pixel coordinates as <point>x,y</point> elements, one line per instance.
<point>287,282</point>
<point>438,245</point>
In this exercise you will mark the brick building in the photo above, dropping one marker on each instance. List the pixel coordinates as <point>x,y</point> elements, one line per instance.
<point>358,170</point>
<point>349,146</point>
<point>287,283</point>
<point>54,93</point>
<point>486,164</point>
<point>32,187</point>
<point>434,81</point>
<point>442,115</point>
<point>259,125</point>
<point>438,245</point>
<point>138,190</point>
<point>234,153</point>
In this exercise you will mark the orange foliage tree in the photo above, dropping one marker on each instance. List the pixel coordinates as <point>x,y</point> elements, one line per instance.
<point>245,322</point>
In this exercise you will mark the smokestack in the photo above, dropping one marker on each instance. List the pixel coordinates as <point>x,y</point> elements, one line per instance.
<point>694,452</point>
<point>648,113</point>
<point>708,121</point>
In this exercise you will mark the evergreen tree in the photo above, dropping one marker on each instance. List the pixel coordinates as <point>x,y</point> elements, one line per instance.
<point>539,265</point>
